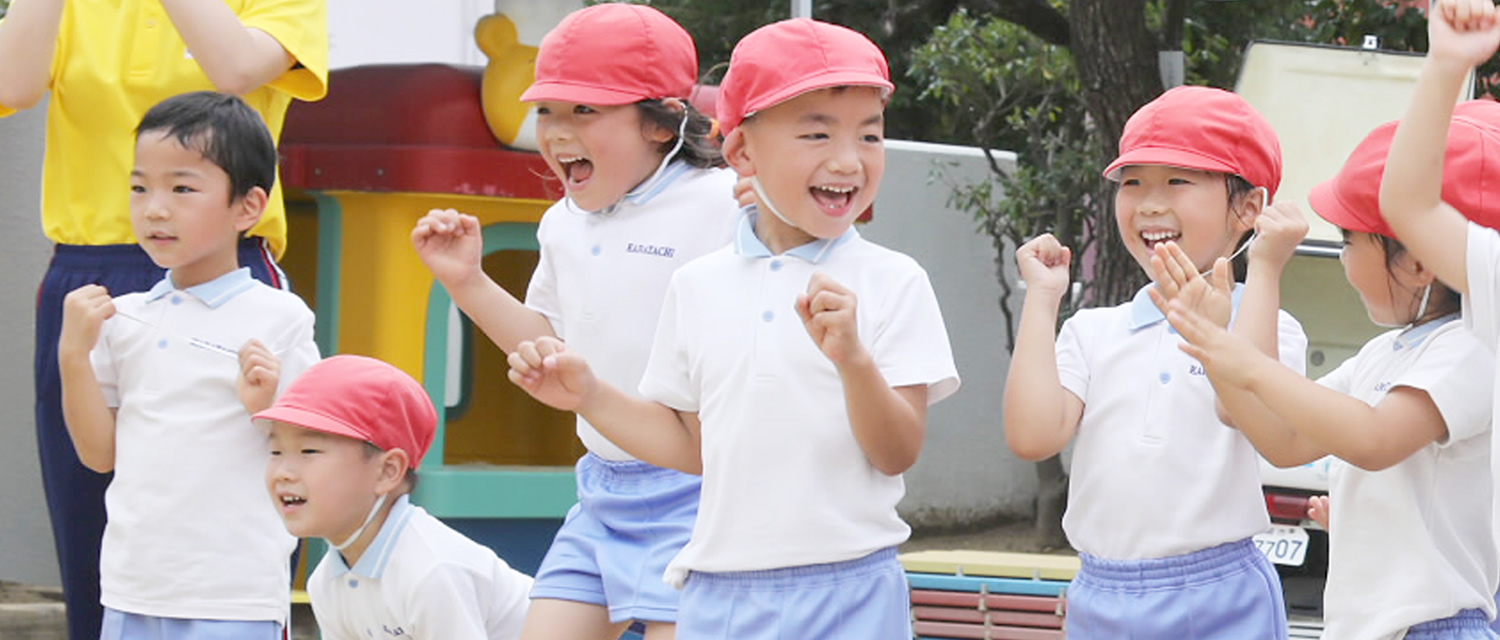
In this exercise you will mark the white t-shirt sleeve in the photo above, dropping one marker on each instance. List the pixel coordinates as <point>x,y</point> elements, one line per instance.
<point>1341,379</point>
<point>1291,342</point>
<point>101,357</point>
<point>541,293</point>
<point>1072,366</point>
<point>667,378</point>
<point>1458,374</point>
<point>1482,303</point>
<point>299,352</point>
<point>911,345</point>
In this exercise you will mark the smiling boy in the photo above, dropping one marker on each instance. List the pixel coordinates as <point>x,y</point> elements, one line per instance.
<point>154,389</point>
<point>793,369</point>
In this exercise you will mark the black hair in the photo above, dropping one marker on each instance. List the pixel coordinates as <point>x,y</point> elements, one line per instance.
<point>699,147</point>
<point>1237,189</point>
<point>225,130</point>
<point>1441,301</point>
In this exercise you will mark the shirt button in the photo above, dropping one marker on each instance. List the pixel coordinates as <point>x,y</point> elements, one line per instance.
<point>162,344</point>
<point>151,23</point>
<point>1165,377</point>
<point>176,299</point>
<point>353,584</point>
<point>596,250</point>
<point>768,316</point>
<point>775,265</point>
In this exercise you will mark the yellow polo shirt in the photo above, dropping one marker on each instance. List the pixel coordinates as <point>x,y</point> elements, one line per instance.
<point>118,58</point>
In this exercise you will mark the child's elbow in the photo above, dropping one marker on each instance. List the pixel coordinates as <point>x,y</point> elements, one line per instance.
<point>1030,450</point>
<point>98,463</point>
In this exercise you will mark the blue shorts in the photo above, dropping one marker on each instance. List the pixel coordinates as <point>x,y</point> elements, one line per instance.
<point>1227,591</point>
<point>612,550</point>
<point>1469,624</point>
<point>119,625</point>
<point>866,598</point>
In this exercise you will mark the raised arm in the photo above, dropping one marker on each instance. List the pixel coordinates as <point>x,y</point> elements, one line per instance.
<point>650,431</point>
<point>451,245</point>
<point>1463,34</point>
<point>28,43</point>
<point>1041,416</point>
<point>90,419</point>
<point>889,423</point>
<point>237,59</point>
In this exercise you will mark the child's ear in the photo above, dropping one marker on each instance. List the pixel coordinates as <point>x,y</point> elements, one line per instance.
<point>737,153</point>
<point>1246,208</point>
<point>249,207</point>
<point>393,466</point>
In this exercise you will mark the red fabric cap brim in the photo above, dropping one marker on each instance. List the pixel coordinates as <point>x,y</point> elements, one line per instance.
<point>578,94</point>
<point>311,420</point>
<point>1166,156</point>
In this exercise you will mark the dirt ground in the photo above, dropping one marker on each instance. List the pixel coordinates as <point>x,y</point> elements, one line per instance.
<point>13,593</point>
<point>1012,536</point>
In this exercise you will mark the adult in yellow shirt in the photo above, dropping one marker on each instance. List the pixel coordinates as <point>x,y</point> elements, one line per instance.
<point>104,63</point>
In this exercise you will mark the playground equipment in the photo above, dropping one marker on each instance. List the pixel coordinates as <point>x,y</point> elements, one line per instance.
<point>988,595</point>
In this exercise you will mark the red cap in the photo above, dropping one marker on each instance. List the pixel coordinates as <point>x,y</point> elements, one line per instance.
<point>1471,173</point>
<point>361,398</point>
<point>1205,129</point>
<point>783,60</point>
<point>611,54</point>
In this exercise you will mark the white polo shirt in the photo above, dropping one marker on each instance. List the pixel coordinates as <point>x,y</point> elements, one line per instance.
<point>784,482</point>
<point>1481,312</point>
<point>1154,473</point>
<point>421,580</point>
<point>601,276</point>
<point>192,532</point>
<point>1413,543</point>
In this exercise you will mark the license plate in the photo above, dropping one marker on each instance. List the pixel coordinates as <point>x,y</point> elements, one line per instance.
<point>1283,544</point>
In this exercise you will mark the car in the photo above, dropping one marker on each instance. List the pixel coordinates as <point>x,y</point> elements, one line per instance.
<point>1295,544</point>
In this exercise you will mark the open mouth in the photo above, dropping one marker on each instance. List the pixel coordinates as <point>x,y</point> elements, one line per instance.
<point>834,200</point>
<point>1153,238</point>
<point>290,501</point>
<point>577,169</point>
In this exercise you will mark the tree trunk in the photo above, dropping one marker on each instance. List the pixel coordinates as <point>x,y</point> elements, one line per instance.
<point>1051,501</point>
<point>1117,62</point>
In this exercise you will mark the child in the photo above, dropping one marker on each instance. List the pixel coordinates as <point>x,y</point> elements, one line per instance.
<point>802,441</point>
<point>346,440</point>
<point>192,546</point>
<point>645,194</point>
<point>1196,166</point>
<point>1411,554</point>
<point>1464,253</point>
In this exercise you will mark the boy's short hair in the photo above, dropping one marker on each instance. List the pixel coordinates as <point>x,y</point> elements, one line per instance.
<point>1471,184</point>
<point>225,130</point>
<point>361,398</point>
<point>1205,129</point>
<point>786,59</point>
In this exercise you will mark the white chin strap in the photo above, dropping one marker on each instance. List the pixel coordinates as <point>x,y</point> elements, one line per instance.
<point>645,186</point>
<point>379,502</point>
<point>1421,311</point>
<point>765,201</point>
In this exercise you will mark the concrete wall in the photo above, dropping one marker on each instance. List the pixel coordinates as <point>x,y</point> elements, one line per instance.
<point>26,553</point>
<point>966,475</point>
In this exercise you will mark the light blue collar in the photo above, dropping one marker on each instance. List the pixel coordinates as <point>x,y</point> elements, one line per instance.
<point>1143,312</point>
<point>373,561</point>
<point>1415,335</point>
<point>674,170</point>
<point>213,293</point>
<point>747,244</point>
